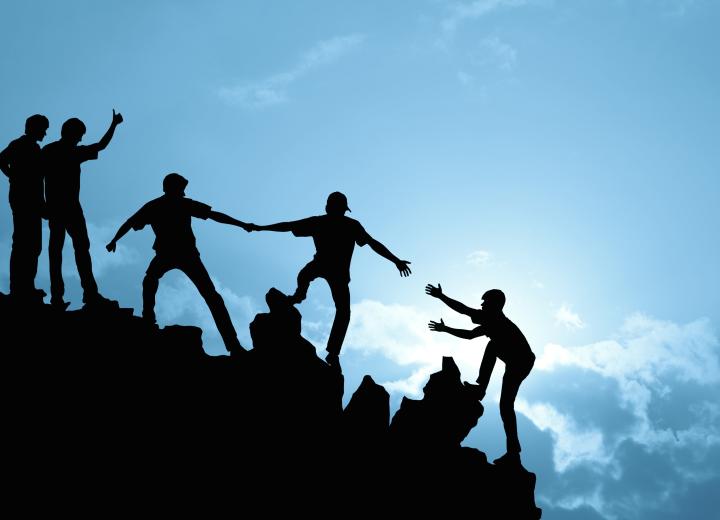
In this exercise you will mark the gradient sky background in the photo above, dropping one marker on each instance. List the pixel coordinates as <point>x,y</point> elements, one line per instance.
<point>564,151</point>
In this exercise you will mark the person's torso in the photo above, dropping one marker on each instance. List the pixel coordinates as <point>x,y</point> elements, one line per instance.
<point>62,174</point>
<point>508,340</point>
<point>26,180</point>
<point>171,220</point>
<point>335,238</point>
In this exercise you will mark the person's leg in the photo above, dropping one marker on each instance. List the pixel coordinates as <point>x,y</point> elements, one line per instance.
<point>157,268</point>
<point>26,247</point>
<point>341,296</point>
<point>195,270</point>
<point>510,386</point>
<point>306,275</point>
<point>77,230</point>
<point>55,251</point>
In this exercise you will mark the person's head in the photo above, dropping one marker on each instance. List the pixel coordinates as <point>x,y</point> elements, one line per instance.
<point>336,204</point>
<point>174,185</point>
<point>493,301</point>
<point>36,127</point>
<point>72,130</point>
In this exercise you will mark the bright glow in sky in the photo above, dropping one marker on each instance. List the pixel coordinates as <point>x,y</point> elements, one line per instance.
<point>564,151</point>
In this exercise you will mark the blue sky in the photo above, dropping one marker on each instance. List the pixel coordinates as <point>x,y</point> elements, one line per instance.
<point>563,151</point>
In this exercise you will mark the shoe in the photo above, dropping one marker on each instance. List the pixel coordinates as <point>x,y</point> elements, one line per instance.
<point>31,297</point>
<point>235,348</point>
<point>509,459</point>
<point>98,300</point>
<point>59,304</point>
<point>474,390</point>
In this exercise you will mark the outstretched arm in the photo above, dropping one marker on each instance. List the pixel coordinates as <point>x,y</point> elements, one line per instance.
<point>280,226</point>
<point>127,226</point>
<point>458,333</point>
<point>402,265</point>
<point>116,120</point>
<point>436,292</point>
<point>227,219</point>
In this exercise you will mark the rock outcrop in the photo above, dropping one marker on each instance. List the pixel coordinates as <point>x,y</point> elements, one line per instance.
<point>104,412</point>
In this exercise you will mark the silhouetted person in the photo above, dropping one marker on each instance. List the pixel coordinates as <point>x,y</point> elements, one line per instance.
<point>335,236</point>
<point>170,217</point>
<point>62,160</point>
<point>21,162</point>
<point>507,343</point>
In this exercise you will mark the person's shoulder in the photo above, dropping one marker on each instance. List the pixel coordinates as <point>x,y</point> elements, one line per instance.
<point>194,203</point>
<point>20,141</point>
<point>51,146</point>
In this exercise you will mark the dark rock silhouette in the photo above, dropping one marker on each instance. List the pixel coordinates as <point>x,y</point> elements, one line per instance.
<point>103,411</point>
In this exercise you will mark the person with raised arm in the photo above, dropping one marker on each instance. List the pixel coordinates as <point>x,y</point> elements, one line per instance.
<point>61,161</point>
<point>507,343</point>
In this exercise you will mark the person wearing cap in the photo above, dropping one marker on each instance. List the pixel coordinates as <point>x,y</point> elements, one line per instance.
<point>61,161</point>
<point>21,162</point>
<point>507,343</point>
<point>335,236</point>
<point>170,217</point>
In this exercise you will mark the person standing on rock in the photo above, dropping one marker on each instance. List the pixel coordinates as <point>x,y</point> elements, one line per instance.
<point>21,162</point>
<point>335,236</point>
<point>507,343</point>
<point>62,160</point>
<point>170,217</point>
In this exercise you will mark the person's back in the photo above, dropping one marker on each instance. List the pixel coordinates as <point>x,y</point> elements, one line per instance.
<point>508,341</point>
<point>171,220</point>
<point>62,160</point>
<point>335,237</point>
<point>26,180</point>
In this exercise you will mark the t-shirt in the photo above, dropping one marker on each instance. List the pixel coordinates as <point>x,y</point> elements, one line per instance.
<point>335,237</point>
<point>22,159</point>
<point>506,339</point>
<point>170,218</point>
<point>61,161</point>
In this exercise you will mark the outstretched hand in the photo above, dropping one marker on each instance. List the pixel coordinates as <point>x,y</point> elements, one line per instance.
<point>435,292</point>
<point>402,266</point>
<point>251,227</point>
<point>111,247</point>
<point>117,118</point>
<point>437,326</point>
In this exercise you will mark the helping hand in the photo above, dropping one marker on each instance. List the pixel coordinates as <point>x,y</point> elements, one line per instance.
<point>437,326</point>
<point>111,247</point>
<point>435,292</point>
<point>402,266</point>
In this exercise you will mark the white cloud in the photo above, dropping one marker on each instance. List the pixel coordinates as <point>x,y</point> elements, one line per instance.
<point>646,349</point>
<point>464,78</point>
<point>572,444</point>
<point>273,90</point>
<point>461,13</point>
<point>102,260</point>
<point>400,334</point>
<point>478,258</point>
<point>493,51</point>
<point>566,317</point>
<point>650,361</point>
